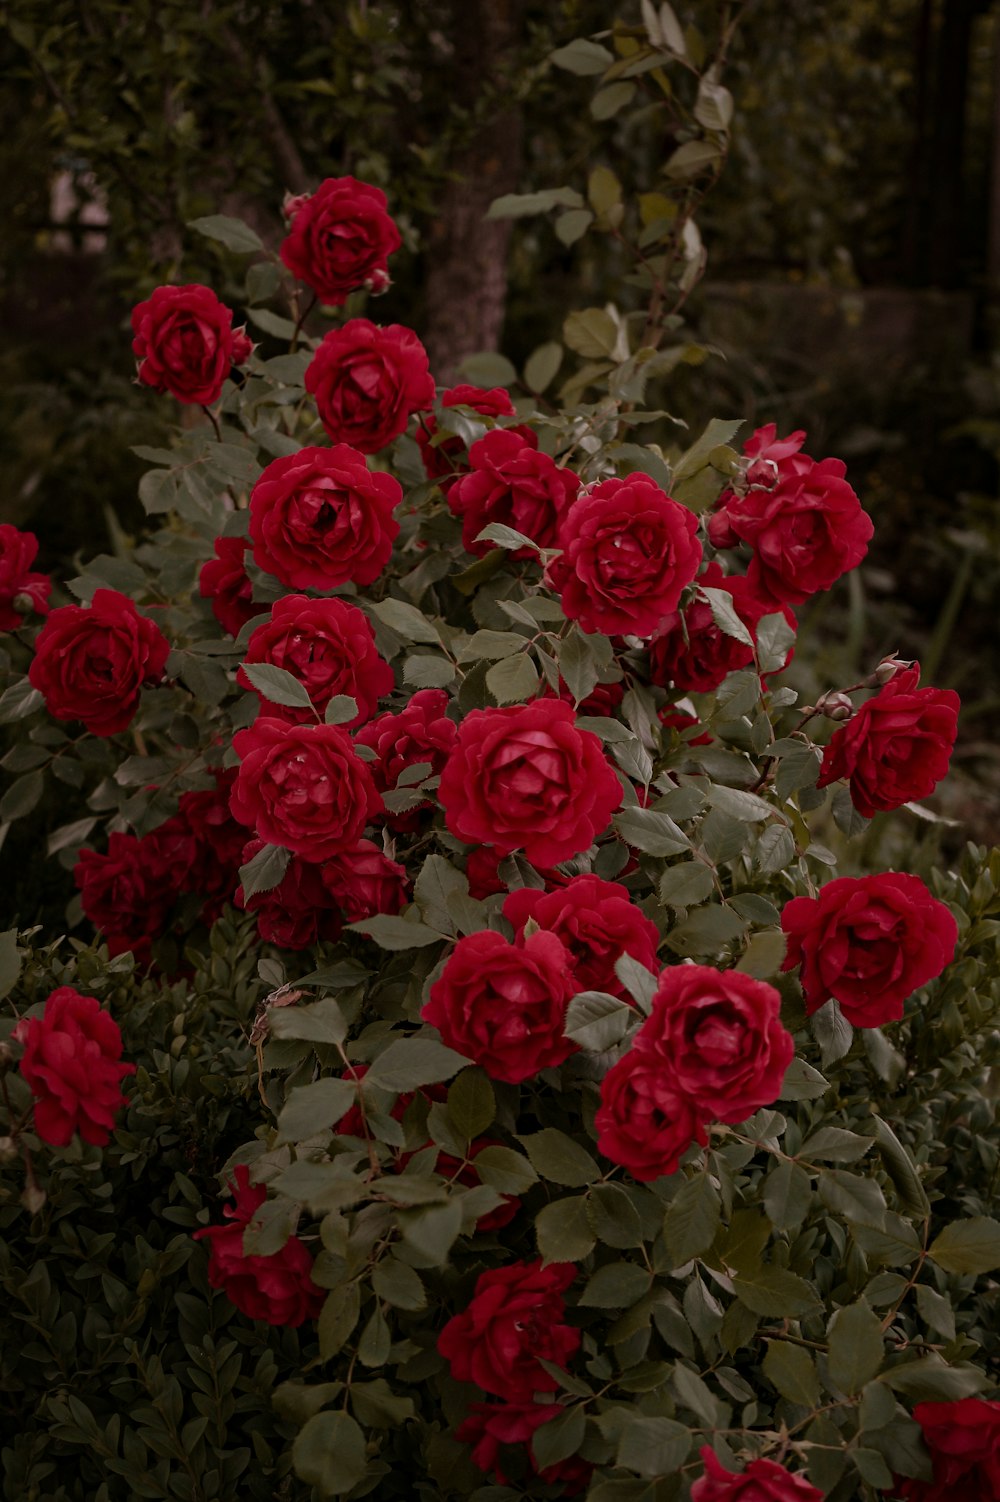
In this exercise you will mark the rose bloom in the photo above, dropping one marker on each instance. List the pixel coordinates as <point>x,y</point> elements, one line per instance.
<point>320,518</point>
<point>503,1005</point>
<point>678,720</point>
<point>761,1481</point>
<point>445,460</point>
<point>340,238</point>
<point>490,1428</point>
<point>367,381</point>
<point>218,843</point>
<point>511,482</point>
<point>896,748</point>
<point>869,941</point>
<point>643,1122</point>
<point>604,698</point>
<point>482,870</point>
<point>329,647</point>
<point>420,732</point>
<point>91,661</point>
<point>629,550</point>
<point>718,1036</point>
<point>303,787</point>
<point>299,912</point>
<point>128,892</point>
<point>692,653</point>
<point>278,1289</point>
<point>806,528</point>
<point>72,1065</point>
<point>363,881</point>
<point>186,344</point>
<point>17,553</point>
<point>963,1438</point>
<point>525,778</point>
<point>596,922</point>
<point>515,1316</point>
<point>224,580</point>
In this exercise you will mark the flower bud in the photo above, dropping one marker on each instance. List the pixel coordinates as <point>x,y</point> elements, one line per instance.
<point>33,1198</point>
<point>24,604</point>
<point>380,281</point>
<point>835,705</point>
<point>887,670</point>
<point>292,202</point>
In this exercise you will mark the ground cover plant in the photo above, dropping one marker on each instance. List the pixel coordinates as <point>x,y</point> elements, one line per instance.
<point>491,1075</point>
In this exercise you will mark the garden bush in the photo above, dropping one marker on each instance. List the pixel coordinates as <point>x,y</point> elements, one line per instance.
<point>496,1076</point>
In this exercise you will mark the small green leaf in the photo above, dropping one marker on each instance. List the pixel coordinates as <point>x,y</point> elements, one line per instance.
<point>968,1246</point>
<point>653,1446</point>
<point>857,1347</point>
<point>776,1293</point>
<point>504,1170</point>
<point>692,1219</point>
<point>341,709</point>
<point>792,1370</point>
<point>329,1453</point>
<point>311,1109</point>
<point>597,1021</point>
<point>265,870</point>
<point>514,680</point>
<point>471,1104</point>
<point>556,1157</point>
<point>232,233</point>
<point>406,620</point>
<point>319,1022</point>
<point>10,962</point>
<point>617,1285</point>
<point>787,1195</point>
<point>583,57</point>
<point>652,832</point>
<point>397,933</point>
<point>542,365</point>
<point>563,1229</point>
<point>686,884</point>
<point>399,1284</point>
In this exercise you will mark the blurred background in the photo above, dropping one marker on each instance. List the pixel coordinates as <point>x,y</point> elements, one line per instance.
<point>852,288</point>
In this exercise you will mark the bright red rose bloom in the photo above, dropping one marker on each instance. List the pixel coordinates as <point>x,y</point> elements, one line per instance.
<point>444,460</point>
<point>511,482</point>
<point>91,661</point>
<point>515,1317</point>
<point>186,344</point>
<point>128,892</point>
<point>17,553</point>
<point>420,732</point>
<point>363,881</point>
<point>692,653</point>
<point>898,745</point>
<point>718,1036</point>
<point>761,1481</point>
<point>525,778</point>
<point>367,381</point>
<point>278,1289</point>
<point>320,518</point>
<point>629,550</point>
<point>644,1122</point>
<point>329,647</point>
<point>299,912</point>
<point>303,787</point>
<point>805,531</point>
<point>869,941</point>
<point>963,1438</point>
<point>493,1427</point>
<point>224,580</point>
<point>596,922</point>
<point>340,238</point>
<point>503,1005</point>
<point>72,1063</point>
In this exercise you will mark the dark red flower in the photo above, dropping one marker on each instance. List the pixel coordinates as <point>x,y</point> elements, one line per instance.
<point>691,653</point>
<point>644,1122</point>
<point>17,553</point>
<point>515,1316</point>
<point>761,1481</point>
<point>367,381</point>
<point>224,580</point>
<point>445,460</point>
<point>963,1438</point>
<point>491,1428</point>
<point>596,922</point>
<point>128,892</point>
<point>329,647</point>
<point>186,344</point>
<point>218,843</point>
<point>511,482</point>
<point>420,732</point>
<point>340,238</point>
<point>363,881</point>
<point>299,912</point>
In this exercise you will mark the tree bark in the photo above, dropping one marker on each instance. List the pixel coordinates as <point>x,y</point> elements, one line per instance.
<point>466,282</point>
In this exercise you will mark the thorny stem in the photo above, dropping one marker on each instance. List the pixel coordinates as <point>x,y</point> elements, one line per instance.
<point>213,419</point>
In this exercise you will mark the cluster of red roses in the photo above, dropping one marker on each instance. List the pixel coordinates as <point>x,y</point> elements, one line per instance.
<point>21,590</point>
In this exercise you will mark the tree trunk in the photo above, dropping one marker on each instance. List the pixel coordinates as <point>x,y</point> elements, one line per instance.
<point>466,280</point>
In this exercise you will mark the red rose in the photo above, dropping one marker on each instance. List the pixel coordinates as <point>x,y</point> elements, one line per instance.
<point>482,871</point>
<point>340,238</point>
<point>71,1062</point>
<point>492,1427</point>
<point>303,787</point>
<point>629,550</point>
<point>186,344</point>
<point>299,912</point>
<point>367,381</point>
<point>604,698</point>
<point>595,921</point>
<point>691,653</point>
<point>897,747</point>
<point>806,530</point>
<point>644,1122</point>
<point>17,554</point>
<point>91,661</point>
<point>869,941</point>
<point>420,732</point>
<point>128,893</point>
<point>514,1318</point>
<point>526,778</point>
<point>320,518</point>
<point>678,720</point>
<point>218,843</point>
<point>761,1481</point>
<point>279,1288</point>
<point>329,647</point>
<point>224,580</point>
<point>963,1438</point>
<point>363,881</point>
<point>511,482</point>
<point>718,1037</point>
<point>504,1006</point>
<point>444,460</point>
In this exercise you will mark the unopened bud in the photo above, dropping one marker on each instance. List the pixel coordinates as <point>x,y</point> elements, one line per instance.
<point>292,202</point>
<point>33,1198</point>
<point>23,604</point>
<point>887,670</point>
<point>8,1150</point>
<point>835,705</point>
<point>377,283</point>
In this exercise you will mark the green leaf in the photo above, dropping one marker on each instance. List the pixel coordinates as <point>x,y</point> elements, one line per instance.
<point>900,1167</point>
<point>652,832</point>
<point>686,884</point>
<point>653,1446</point>
<point>764,954</point>
<point>556,1157</point>
<point>406,620</point>
<point>10,962</point>
<point>968,1246</point>
<point>714,106</point>
<point>776,1293</point>
<point>338,1317</point>
<point>895,1243</point>
<point>607,102</point>
<point>505,1170</point>
<point>857,1347</point>
<point>265,870</point>
<point>571,226</point>
<point>70,836</point>
<point>340,709</point>
<point>834,1145</point>
<point>935,1310</point>
<point>596,1021</point>
<point>506,537</point>
<point>832,1032</point>
<point>22,796</point>
<point>428,672</point>
<point>706,930</point>
<point>18,701</point>
<point>398,1284</point>
<point>315,1108</point>
<point>376,1340</point>
<point>560,1437</point>
<point>775,638</point>
<point>591,332</point>
<point>617,1285</point>
<point>928,1380</point>
<point>271,323</point>
<point>329,1453</point>
<point>514,680</point>
<point>583,57</point>
<point>690,160</point>
<point>391,932</point>
<point>521,205</point>
<point>320,1022</point>
<point>488,368</point>
<point>378,1406</point>
<point>639,982</point>
<point>542,365</point>
<point>604,191</point>
<point>471,1104</point>
<point>613,1217</point>
<point>581,660</point>
<point>724,615</point>
<point>792,1370</point>
<point>802,1082</point>
<point>437,882</point>
<point>692,1219</point>
<point>563,1229</point>
<point>432,1230</point>
<point>232,233</point>
<point>720,431</point>
<point>491,645</point>
<point>787,1195</point>
<point>409,1063</point>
